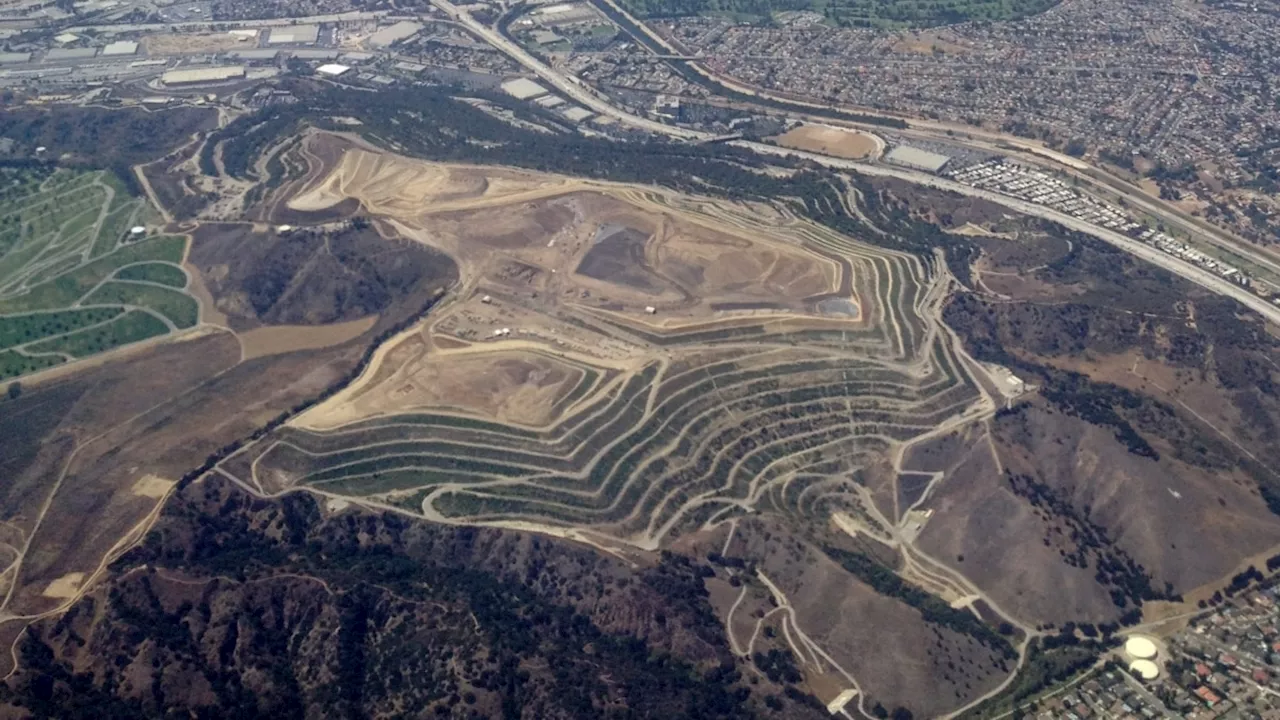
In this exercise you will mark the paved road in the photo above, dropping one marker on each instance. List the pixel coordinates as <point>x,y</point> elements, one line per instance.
<point>577,92</point>
<point>1191,272</point>
<point>210,24</point>
<point>568,86</point>
<point>1095,177</point>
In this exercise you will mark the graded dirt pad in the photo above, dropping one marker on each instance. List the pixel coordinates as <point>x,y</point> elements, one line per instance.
<point>550,225</point>
<point>282,214</point>
<point>722,267</point>
<point>276,339</point>
<point>617,256</point>
<point>65,587</point>
<point>516,386</point>
<point>152,487</point>
<point>832,141</point>
<point>194,43</point>
<point>392,185</point>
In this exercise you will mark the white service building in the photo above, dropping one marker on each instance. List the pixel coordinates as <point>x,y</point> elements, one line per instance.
<point>120,47</point>
<point>294,35</point>
<point>917,159</point>
<point>523,89</point>
<point>333,70</point>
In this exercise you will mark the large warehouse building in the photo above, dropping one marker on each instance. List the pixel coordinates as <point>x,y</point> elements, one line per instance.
<point>120,47</point>
<point>917,159</point>
<point>294,35</point>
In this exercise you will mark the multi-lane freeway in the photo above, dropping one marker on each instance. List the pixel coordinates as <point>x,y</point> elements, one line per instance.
<point>1189,271</point>
<point>570,86</point>
<point>574,89</point>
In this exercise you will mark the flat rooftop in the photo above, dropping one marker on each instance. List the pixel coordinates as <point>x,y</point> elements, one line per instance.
<point>121,47</point>
<point>916,158</point>
<point>71,53</point>
<point>294,35</point>
<point>523,88</point>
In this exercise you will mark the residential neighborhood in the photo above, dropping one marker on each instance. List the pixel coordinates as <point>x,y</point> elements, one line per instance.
<point>1224,664</point>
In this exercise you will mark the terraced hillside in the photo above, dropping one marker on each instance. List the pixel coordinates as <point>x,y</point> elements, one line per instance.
<point>74,280</point>
<point>635,368</point>
<point>637,425</point>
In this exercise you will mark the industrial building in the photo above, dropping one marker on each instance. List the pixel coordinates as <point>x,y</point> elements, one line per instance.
<point>523,88</point>
<point>546,37</point>
<point>197,76</point>
<point>294,35</point>
<point>917,159</point>
<point>576,114</point>
<point>120,47</point>
<point>59,54</point>
<point>393,34</point>
<point>409,67</point>
<point>14,58</point>
<point>333,70</point>
<point>315,54</point>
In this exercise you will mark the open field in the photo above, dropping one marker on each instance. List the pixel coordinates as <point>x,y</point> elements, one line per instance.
<point>195,43</point>
<point>837,142</point>
<point>74,282</point>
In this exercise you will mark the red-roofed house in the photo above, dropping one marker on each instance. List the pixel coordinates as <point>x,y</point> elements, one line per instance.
<point>1209,697</point>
